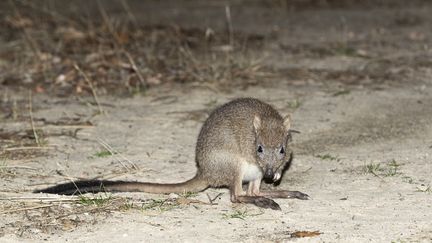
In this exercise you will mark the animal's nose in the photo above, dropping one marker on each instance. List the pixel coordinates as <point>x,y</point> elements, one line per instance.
<point>268,174</point>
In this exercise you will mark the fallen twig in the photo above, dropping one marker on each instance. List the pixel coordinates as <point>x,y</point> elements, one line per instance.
<point>135,69</point>
<point>212,200</point>
<point>41,199</point>
<point>17,167</point>
<point>31,119</point>
<point>91,87</point>
<point>25,209</point>
<point>28,148</point>
<point>114,153</point>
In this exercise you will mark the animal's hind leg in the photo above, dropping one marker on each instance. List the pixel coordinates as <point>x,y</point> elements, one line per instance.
<point>259,201</point>
<point>238,196</point>
<point>254,188</point>
<point>236,188</point>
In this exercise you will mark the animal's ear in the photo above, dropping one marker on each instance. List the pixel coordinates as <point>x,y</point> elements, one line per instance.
<point>257,123</point>
<point>287,122</point>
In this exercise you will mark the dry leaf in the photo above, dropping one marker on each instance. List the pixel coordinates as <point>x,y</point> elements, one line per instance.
<point>18,21</point>
<point>123,37</point>
<point>78,89</point>
<point>187,201</point>
<point>70,34</point>
<point>156,79</point>
<point>301,234</point>
<point>416,36</point>
<point>39,89</point>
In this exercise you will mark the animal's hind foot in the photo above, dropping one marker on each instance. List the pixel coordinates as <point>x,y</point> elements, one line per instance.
<point>258,201</point>
<point>285,194</point>
<point>264,202</point>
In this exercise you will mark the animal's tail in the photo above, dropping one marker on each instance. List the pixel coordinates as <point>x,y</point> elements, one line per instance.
<point>195,184</point>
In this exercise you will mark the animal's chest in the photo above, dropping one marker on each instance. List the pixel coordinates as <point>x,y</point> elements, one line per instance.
<point>251,172</point>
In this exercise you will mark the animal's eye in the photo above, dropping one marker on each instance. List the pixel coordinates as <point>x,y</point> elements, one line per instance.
<point>282,150</point>
<point>260,149</point>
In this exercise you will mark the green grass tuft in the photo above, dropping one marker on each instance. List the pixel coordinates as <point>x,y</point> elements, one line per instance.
<point>383,169</point>
<point>424,188</point>
<point>95,201</point>
<point>240,214</point>
<point>294,104</point>
<point>160,205</point>
<point>328,157</point>
<point>103,154</point>
<point>189,194</point>
<point>342,92</point>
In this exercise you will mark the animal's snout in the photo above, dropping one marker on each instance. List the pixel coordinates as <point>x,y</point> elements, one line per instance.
<point>268,173</point>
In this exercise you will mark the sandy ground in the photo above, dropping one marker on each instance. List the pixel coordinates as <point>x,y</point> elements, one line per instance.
<point>364,154</point>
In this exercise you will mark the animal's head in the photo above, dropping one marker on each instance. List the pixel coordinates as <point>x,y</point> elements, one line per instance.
<point>272,145</point>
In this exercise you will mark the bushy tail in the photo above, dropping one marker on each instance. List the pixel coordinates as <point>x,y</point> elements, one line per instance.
<point>195,184</point>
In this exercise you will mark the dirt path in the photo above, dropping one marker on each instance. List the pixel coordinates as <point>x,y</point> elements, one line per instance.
<point>364,154</point>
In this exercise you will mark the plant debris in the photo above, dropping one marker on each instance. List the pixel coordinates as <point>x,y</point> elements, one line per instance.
<point>303,234</point>
<point>118,58</point>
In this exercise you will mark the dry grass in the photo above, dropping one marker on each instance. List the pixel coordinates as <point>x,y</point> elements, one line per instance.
<point>50,215</point>
<point>55,214</point>
<point>119,56</point>
<point>18,145</point>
